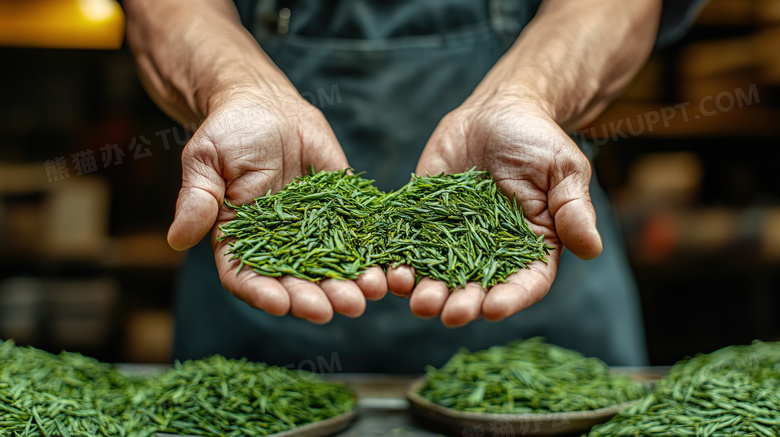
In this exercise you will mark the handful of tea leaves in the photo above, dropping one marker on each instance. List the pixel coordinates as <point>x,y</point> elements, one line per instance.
<point>42,394</point>
<point>528,376</point>
<point>458,228</point>
<point>454,228</point>
<point>316,227</point>
<point>734,391</point>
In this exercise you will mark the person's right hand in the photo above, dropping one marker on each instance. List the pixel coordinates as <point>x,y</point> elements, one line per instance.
<point>248,145</point>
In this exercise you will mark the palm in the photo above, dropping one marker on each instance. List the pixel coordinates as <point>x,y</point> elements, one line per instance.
<point>241,153</point>
<point>529,156</point>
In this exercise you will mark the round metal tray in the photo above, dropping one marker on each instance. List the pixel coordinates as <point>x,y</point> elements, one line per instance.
<point>462,423</point>
<point>317,429</point>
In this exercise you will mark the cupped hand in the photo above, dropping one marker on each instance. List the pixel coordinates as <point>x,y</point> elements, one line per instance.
<point>529,156</point>
<point>247,146</point>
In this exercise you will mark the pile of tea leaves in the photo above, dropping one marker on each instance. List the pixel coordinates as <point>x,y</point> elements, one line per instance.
<point>734,391</point>
<point>59,395</point>
<point>216,396</point>
<point>454,228</point>
<point>529,376</point>
<point>63,395</point>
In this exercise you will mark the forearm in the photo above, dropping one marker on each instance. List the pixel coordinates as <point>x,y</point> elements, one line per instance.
<point>575,55</point>
<point>192,54</point>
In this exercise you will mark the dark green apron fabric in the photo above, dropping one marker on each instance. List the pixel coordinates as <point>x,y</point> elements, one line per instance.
<point>398,70</point>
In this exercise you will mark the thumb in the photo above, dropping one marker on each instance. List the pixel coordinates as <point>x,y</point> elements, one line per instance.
<point>199,200</point>
<point>444,151</point>
<point>321,148</point>
<point>571,208</point>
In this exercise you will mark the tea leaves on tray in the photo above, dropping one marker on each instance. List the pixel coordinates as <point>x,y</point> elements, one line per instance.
<point>528,376</point>
<point>46,395</point>
<point>734,391</point>
<point>57,395</point>
<point>216,396</point>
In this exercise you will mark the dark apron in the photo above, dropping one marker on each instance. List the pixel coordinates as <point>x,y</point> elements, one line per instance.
<point>384,79</point>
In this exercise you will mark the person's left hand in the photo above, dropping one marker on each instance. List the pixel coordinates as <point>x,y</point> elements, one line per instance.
<point>529,155</point>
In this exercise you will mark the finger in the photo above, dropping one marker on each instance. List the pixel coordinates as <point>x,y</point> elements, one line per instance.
<point>345,297</point>
<point>575,223</point>
<point>522,289</point>
<point>328,154</point>
<point>196,212</point>
<point>199,198</point>
<point>463,305</point>
<point>261,292</point>
<point>428,298</point>
<point>307,300</point>
<point>432,164</point>
<point>443,153</point>
<point>572,210</point>
<point>373,283</point>
<point>400,280</point>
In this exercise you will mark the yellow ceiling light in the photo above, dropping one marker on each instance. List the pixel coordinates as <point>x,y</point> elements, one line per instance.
<point>76,24</point>
<point>97,10</point>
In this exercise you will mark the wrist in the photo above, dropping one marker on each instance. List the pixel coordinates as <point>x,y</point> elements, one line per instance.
<point>203,59</point>
<point>513,94</point>
<point>237,68</point>
<point>560,97</point>
<point>262,84</point>
<point>574,57</point>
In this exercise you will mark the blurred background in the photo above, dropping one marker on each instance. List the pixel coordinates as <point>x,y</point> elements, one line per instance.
<point>89,172</point>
